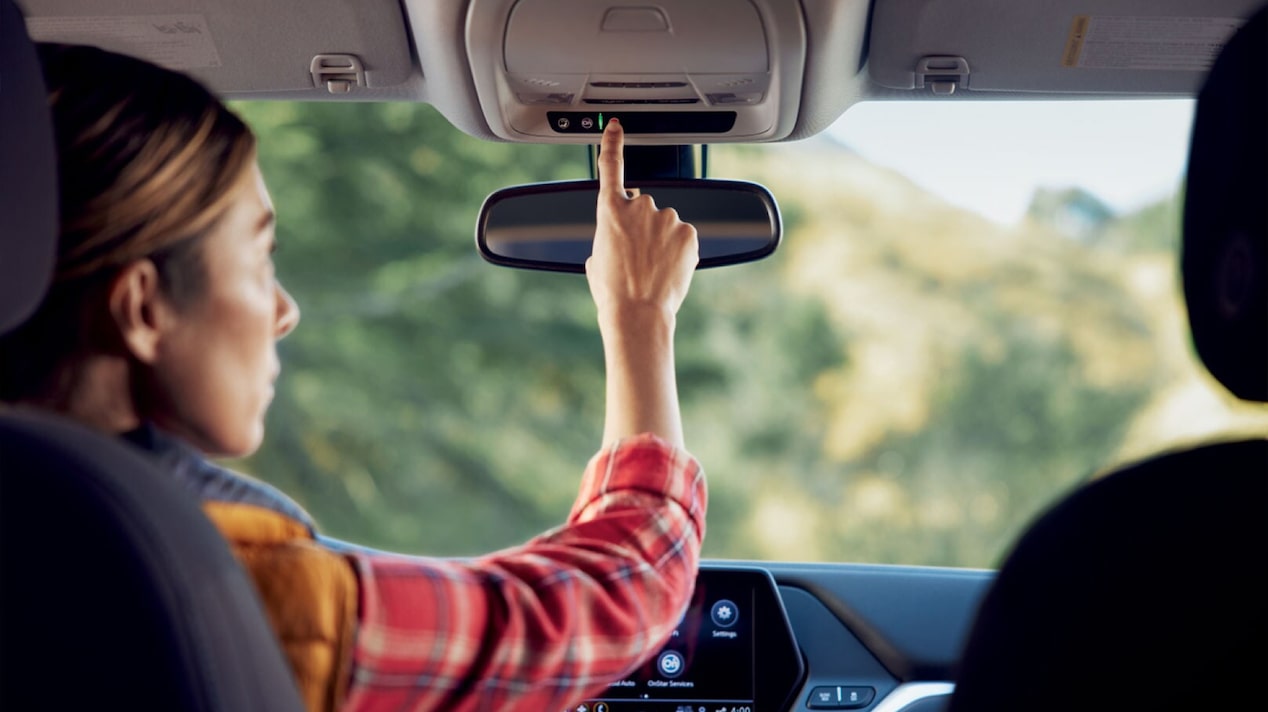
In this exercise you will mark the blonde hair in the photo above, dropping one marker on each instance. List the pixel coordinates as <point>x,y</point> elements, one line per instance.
<point>147,160</point>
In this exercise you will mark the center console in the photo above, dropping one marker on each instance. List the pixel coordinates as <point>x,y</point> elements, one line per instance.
<point>735,628</point>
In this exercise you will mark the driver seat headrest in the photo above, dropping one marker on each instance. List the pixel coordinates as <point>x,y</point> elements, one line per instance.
<point>28,175</point>
<point>1225,251</point>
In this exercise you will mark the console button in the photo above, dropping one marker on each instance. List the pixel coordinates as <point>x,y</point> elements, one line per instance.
<point>823,698</point>
<point>670,663</point>
<point>840,698</point>
<point>856,697</point>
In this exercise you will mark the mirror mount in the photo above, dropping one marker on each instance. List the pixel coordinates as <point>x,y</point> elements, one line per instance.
<point>658,162</point>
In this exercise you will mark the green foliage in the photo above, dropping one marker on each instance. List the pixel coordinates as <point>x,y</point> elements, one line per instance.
<point>431,403</point>
<point>1154,228</point>
<point>1073,212</point>
<point>396,419</point>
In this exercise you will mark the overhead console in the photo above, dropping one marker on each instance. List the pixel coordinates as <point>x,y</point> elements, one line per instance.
<point>674,71</point>
<point>945,47</point>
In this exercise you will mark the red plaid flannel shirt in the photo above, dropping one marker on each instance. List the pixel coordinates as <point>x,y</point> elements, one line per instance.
<point>541,626</point>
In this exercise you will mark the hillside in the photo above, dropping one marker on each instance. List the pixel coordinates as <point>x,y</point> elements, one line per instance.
<point>985,369</point>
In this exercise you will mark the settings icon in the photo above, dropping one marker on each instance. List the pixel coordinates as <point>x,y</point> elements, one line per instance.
<point>724,614</point>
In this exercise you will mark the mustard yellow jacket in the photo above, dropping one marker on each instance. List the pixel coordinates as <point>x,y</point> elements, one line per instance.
<point>308,591</point>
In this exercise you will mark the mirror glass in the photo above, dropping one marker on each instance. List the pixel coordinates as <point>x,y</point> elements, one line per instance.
<point>550,226</point>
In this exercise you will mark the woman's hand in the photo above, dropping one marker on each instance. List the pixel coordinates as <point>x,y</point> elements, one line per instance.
<point>643,257</point>
<point>639,271</point>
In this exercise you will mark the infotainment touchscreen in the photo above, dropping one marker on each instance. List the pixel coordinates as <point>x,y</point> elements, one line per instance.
<point>732,652</point>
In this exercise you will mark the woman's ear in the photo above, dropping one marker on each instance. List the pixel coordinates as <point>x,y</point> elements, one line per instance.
<point>138,309</point>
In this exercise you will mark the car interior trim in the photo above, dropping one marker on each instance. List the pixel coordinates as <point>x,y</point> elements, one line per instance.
<point>821,58</point>
<point>910,693</point>
<point>1152,50</point>
<point>244,47</point>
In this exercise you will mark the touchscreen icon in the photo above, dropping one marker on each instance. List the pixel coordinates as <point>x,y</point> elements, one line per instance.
<point>724,614</point>
<point>670,663</point>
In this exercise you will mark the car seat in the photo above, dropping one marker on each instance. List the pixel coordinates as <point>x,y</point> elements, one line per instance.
<point>115,590</point>
<point>1148,588</point>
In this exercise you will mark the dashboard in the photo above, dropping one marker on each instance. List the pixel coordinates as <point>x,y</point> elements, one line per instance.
<point>773,637</point>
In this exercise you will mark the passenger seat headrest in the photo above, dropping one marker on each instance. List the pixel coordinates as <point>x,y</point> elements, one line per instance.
<point>28,175</point>
<point>1225,251</point>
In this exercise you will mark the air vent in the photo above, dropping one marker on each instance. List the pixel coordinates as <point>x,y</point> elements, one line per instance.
<point>638,85</point>
<point>642,101</point>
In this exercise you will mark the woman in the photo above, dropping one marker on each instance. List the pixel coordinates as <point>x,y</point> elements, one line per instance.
<point>161,326</point>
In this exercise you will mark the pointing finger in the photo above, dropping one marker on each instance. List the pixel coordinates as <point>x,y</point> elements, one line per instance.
<point>612,162</point>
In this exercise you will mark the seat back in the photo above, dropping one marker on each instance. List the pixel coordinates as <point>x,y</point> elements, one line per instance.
<point>1225,250</point>
<point>28,180</point>
<point>115,590</point>
<point>1146,588</point>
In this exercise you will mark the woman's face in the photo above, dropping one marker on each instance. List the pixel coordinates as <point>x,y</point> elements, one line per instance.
<point>212,379</point>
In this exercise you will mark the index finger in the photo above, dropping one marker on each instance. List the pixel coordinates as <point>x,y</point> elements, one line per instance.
<point>612,161</point>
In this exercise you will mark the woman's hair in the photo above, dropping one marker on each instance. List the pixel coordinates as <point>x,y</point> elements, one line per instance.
<point>147,160</point>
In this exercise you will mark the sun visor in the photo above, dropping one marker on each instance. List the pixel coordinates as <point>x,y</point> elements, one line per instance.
<point>676,71</point>
<point>241,47</point>
<point>1123,46</point>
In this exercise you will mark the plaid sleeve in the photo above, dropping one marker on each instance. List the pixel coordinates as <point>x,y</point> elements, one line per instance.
<point>544,625</point>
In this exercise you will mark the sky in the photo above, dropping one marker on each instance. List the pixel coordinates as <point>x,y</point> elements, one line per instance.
<point>989,157</point>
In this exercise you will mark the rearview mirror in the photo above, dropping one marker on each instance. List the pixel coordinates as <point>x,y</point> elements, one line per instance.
<point>550,226</point>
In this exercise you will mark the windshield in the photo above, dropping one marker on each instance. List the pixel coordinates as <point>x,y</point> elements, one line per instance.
<point>975,307</point>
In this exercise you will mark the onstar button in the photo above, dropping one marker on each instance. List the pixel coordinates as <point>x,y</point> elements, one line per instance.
<point>563,123</point>
<point>670,663</point>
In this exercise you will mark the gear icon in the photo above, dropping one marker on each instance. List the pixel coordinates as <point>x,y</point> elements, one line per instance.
<point>724,614</point>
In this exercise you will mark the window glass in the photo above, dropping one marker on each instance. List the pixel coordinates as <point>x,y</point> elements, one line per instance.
<point>975,307</point>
